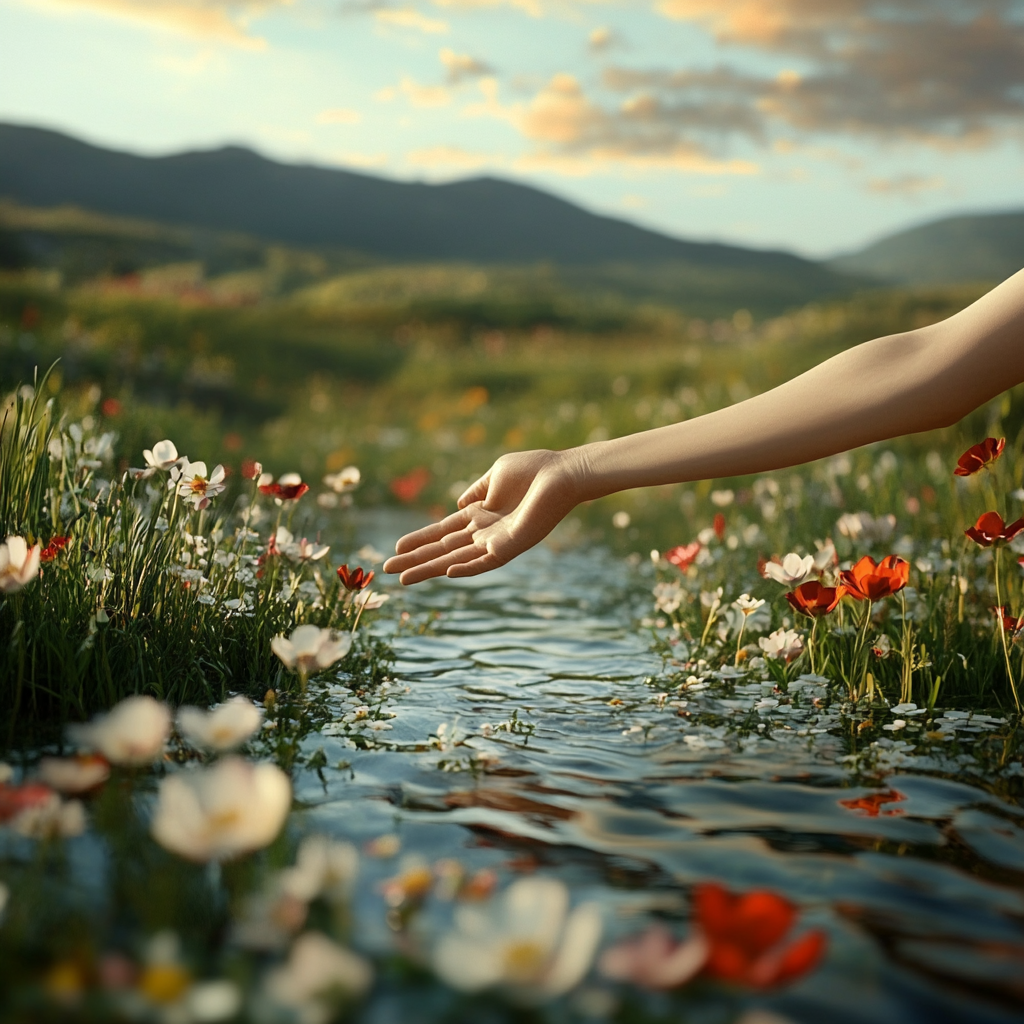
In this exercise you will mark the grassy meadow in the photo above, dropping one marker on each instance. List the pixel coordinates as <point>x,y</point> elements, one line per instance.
<point>421,376</point>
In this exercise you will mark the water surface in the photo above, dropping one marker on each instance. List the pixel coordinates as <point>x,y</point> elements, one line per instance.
<point>572,757</point>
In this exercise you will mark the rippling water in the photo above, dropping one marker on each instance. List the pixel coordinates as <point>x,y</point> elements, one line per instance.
<point>630,798</point>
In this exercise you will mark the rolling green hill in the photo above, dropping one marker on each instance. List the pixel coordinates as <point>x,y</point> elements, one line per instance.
<point>982,247</point>
<point>205,196</point>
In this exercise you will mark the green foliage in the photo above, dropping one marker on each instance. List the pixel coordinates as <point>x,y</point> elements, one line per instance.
<point>149,594</point>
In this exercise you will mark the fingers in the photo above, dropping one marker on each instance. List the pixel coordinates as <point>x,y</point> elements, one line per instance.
<point>429,534</point>
<point>428,552</point>
<point>439,566</point>
<point>475,492</point>
<point>475,566</point>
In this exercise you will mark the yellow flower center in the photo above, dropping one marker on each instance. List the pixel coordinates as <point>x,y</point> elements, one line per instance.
<point>198,485</point>
<point>523,960</point>
<point>164,983</point>
<point>225,819</point>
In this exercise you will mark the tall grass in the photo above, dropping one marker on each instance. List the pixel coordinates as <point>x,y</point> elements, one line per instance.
<point>149,594</point>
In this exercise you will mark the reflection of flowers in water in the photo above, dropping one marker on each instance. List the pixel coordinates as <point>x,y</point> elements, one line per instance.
<point>527,943</point>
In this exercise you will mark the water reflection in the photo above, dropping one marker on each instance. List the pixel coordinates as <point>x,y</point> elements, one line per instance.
<point>529,730</point>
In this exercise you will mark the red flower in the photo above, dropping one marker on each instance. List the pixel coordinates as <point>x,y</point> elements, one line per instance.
<point>813,599</point>
<point>53,548</point>
<point>745,936</point>
<point>979,456</point>
<point>285,492</point>
<point>719,525</point>
<point>1011,623</point>
<point>407,488</point>
<point>990,529</point>
<point>872,804</point>
<point>868,581</point>
<point>354,579</point>
<point>15,799</point>
<point>111,407</point>
<point>682,556</point>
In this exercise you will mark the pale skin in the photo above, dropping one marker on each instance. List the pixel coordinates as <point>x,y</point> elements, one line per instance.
<point>900,384</point>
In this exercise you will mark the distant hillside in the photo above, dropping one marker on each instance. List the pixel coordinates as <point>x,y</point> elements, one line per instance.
<point>480,220</point>
<point>982,247</point>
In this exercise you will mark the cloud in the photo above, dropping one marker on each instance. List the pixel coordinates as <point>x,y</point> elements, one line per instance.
<point>339,115</point>
<point>222,20</point>
<point>530,7</point>
<point>905,185</point>
<point>461,66</point>
<point>407,17</point>
<point>603,38</point>
<point>935,71</point>
<point>574,134</point>
<point>363,161</point>
<point>423,95</point>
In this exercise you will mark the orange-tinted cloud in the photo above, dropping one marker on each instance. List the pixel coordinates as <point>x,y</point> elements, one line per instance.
<point>224,20</point>
<point>937,71</point>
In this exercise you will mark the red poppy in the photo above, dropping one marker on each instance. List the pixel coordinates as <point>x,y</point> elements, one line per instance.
<point>872,805</point>
<point>745,935</point>
<point>1011,623</point>
<point>286,492</point>
<point>111,407</point>
<point>979,456</point>
<point>53,548</point>
<point>990,529</point>
<point>682,556</point>
<point>407,488</point>
<point>15,799</point>
<point>871,581</point>
<point>813,599</point>
<point>354,579</point>
<point>719,525</point>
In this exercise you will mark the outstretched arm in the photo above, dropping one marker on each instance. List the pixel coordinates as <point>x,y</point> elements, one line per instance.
<point>895,385</point>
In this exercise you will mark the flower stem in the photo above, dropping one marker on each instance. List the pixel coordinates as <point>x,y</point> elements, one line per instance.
<point>1002,632</point>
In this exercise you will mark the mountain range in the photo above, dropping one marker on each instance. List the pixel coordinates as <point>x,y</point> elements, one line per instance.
<point>235,193</point>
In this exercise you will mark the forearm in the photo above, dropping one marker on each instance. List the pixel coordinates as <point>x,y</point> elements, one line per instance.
<point>887,387</point>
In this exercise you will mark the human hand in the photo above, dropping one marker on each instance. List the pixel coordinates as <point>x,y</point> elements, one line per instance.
<point>513,506</point>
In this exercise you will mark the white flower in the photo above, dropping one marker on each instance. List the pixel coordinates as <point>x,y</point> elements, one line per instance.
<point>668,596</point>
<point>310,649</point>
<point>370,600</point>
<point>195,485</point>
<point>826,556</point>
<point>74,774</point>
<point>133,732</point>
<point>222,728</point>
<point>722,498</point>
<point>528,943</point>
<point>317,972</point>
<point>50,819</point>
<point>783,645</point>
<point>323,867</point>
<point>747,604</point>
<point>221,812</point>
<point>792,570</point>
<point>346,479</point>
<point>621,520</point>
<point>302,550</point>
<point>163,455</point>
<point>865,527</point>
<point>19,564</point>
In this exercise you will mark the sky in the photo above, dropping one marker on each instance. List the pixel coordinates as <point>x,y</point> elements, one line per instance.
<point>811,125</point>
